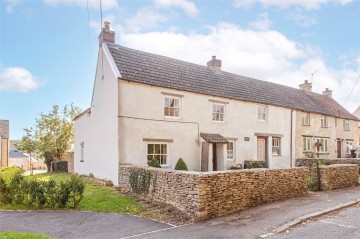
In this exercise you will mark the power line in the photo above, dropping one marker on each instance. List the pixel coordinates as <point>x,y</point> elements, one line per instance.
<point>352,90</point>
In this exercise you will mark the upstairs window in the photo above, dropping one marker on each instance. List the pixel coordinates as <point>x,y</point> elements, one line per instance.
<point>262,113</point>
<point>158,151</point>
<point>82,147</point>
<point>306,144</point>
<point>346,125</point>
<point>218,112</point>
<point>324,121</point>
<point>275,146</point>
<point>172,106</point>
<point>305,120</point>
<point>349,145</point>
<point>230,150</point>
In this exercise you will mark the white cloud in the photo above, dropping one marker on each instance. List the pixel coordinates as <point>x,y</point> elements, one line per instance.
<point>307,4</point>
<point>11,4</point>
<point>301,19</point>
<point>17,79</point>
<point>106,5</point>
<point>188,6</point>
<point>145,18</point>
<point>266,55</point>
<point>262,23</point>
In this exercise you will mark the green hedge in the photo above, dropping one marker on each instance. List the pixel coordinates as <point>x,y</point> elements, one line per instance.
<point>181,165</point>
<point>254,164</point>
<point>34,192</point>
<point>60,167</point>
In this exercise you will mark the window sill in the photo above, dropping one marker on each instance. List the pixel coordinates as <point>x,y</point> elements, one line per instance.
<point>223,122</point>
<point>325,127</point>
<point>172,117</point>
<point>165,165</point>
<point>81,161</point>
<point>276,155</point>
<point>306,125</point>
<point>230,160</point>
<point>346,129</point>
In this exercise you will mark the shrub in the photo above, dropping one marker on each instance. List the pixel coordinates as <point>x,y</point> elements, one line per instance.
<point>181,165</point>
<point>62,194</point>
<point>311,183</point>
<point>18,188</point>
<point>50,193</point>
<point>5,196</point>
<point>254,164</point>
<point>76,188</point>
<point>154,163</point>
<point>91,175</point>
<point>310,155</point>
<point>60,167</point>
<point>9,172</point>
<point>139,180</point>
<point>109,183</point>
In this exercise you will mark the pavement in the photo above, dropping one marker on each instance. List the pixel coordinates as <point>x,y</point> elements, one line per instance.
<point>264,221</point>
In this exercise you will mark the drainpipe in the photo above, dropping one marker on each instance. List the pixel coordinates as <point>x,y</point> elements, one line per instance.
<point>291,138</point>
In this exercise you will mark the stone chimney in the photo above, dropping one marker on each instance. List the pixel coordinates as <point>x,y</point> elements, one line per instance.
<point>306,86</point>
<point>328,92</point>
<point>106,35</point>
<point>214,64</point>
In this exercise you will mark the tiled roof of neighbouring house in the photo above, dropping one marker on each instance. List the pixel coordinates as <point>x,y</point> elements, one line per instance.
<point>157,70</point>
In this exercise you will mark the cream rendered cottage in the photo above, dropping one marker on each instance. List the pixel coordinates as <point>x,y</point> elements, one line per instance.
<point>146,105</point>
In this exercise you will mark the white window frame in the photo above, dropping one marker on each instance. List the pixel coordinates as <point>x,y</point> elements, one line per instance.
<point>324,121</point>
<point>82,149</point>
<point>346,125</point>
<point>276,146</point>
<point>262,113</point>
<point>159,154</point>
<point>175,98</point>
<point>218,114</point>
<point>325,145</point>
<point>349,145</point>
<point>307,144</point>
<point>230,152</point>
<point>305,120</point>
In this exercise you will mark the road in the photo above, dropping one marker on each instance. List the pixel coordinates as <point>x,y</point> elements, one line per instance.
<point>344,224</point>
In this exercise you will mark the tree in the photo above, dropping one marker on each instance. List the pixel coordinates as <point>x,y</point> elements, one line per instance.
<point>27,144</point>
<point>54,133</point>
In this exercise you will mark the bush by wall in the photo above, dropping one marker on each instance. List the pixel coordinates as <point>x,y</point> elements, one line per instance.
<point>60,167</point>
<point>181,165</point>
<point>254,164</point>
<point>154,163</point>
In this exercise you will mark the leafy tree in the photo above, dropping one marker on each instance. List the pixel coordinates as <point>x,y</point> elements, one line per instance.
<point>28,143</point>
<point>54,133</point>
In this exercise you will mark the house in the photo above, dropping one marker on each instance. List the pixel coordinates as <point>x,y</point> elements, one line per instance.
<point>148,106</point>
<point>4,143</point>
<point>22,160</point>
<point>357,114</point>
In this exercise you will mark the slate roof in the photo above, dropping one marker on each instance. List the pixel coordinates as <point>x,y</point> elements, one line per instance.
<point>213,138</point>
<point>16,154</point>
<point>157,70</point>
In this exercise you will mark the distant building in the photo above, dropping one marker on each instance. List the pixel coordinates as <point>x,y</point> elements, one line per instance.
<point>357,114</point>
<point>4,143</point>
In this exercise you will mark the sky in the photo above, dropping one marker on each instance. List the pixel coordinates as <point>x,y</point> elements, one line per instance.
<point>48,48</point>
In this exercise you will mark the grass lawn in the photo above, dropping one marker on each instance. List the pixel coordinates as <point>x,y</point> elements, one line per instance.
<point>18,235</point>
<point>96,198</point>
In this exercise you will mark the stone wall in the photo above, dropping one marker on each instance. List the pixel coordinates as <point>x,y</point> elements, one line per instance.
<point>339,176</point>
<point>210,194</point>
<point>306,162</point>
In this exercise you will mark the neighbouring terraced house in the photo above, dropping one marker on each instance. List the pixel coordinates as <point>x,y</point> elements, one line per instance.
<point>146,105</point>
<point>4,143</point>
<point>357,114</point>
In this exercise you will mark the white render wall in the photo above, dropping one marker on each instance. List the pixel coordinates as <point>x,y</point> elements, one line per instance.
<point>99,131</point>
<point>147,102</point>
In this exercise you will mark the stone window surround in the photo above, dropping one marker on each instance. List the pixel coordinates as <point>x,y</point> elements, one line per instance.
<point>262,113</point>
<point>173,97</point>
<point>346,125</point>
<point>307,143</point>
<point>276,146</point>
<point>305,119</point>
<point>216,113</point>
<point>161,143</point>
<point>324,121</point>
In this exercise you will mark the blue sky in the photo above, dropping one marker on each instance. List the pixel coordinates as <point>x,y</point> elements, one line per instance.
<point>49,47</point>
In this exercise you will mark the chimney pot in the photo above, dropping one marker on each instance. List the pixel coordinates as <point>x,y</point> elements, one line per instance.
<point>214,64</point>
<point>106,35</point>
<point>328,92</point>
<point>306,86</point>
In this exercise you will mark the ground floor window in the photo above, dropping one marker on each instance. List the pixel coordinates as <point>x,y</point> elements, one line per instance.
<point>231,150</point>
<point>349,145</point>
<point>324,145</point>
<point>275,146</point>
<point>307,144</point>
<point>82,147</point>
<point>158,151</point>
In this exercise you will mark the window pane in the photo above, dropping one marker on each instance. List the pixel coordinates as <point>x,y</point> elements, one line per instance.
<point>167,102</point>
<point>221,117</point>
<point>176,112</point>
<point>157,148</point>
<point>167,111</point>
<point>151,149</point>
<point>149,158</point>
<point>176,103</point>
<point>163,159</point>
<point>164,149</point>
<point>222,108</point>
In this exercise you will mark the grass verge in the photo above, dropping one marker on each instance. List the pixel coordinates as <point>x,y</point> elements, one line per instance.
<point>18,235</point>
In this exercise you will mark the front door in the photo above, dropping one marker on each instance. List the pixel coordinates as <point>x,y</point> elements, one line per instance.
<point>338,149</point>
<point>261,150</point>
<point>214,158</point>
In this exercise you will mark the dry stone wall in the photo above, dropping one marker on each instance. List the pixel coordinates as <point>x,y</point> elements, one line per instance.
<point>210,194</point>
<point>339,176</point>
